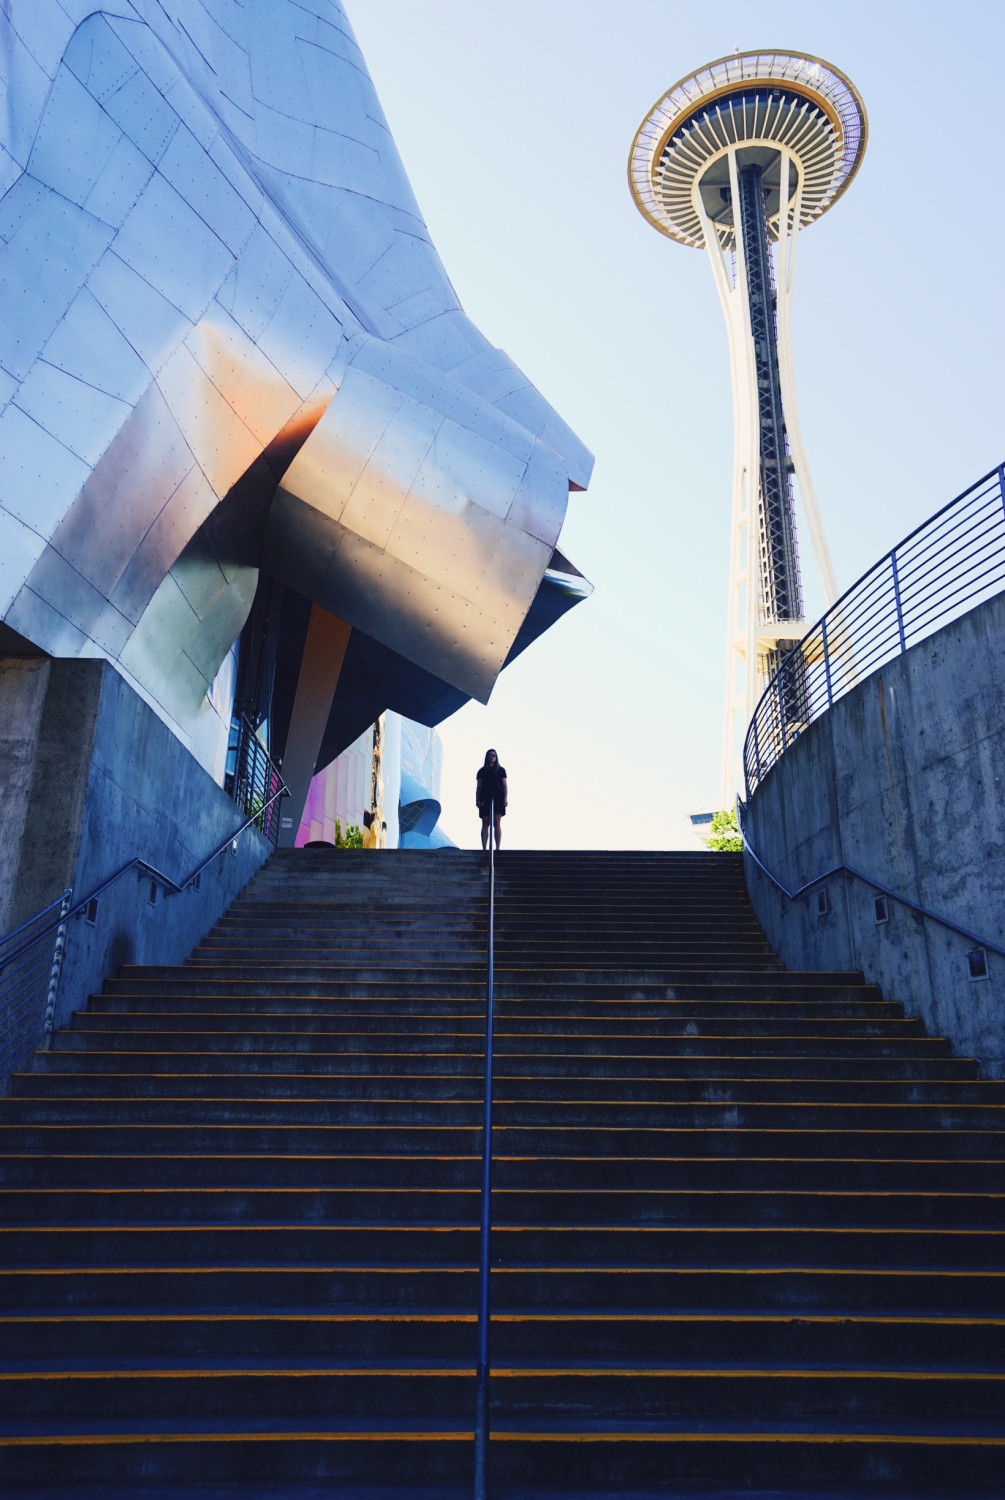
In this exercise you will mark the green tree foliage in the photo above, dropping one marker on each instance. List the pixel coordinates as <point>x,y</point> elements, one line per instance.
<point>351,839</point>
<point>725,835</point>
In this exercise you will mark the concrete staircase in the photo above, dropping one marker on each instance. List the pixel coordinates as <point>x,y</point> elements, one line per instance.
<point>749,1222</point>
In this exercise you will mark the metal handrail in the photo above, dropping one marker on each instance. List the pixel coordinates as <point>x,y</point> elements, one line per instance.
<point>171,887</point>
<point>876,885</point>
<point>17,1033</point>
<point>25,985</point>
<point>485,1235</point>
<point>940,570</point>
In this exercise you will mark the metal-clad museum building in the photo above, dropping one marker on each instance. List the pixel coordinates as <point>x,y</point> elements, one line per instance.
<point>253,454</point>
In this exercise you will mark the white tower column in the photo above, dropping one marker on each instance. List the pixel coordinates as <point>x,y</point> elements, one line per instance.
<point>734,159</point>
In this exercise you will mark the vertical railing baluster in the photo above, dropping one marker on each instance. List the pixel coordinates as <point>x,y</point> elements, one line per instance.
<point>896,600</point>
<point>54,970</point>
<point>827,662</point>
<point>485,1236</point>
<point>757,758</point>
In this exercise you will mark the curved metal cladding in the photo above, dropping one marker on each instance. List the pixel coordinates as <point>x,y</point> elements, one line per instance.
<point>228,343</point>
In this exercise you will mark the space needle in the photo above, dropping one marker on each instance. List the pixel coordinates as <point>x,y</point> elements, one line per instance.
<point>736,159</point>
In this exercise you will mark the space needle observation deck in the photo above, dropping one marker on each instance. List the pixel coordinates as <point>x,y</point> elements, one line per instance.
<point>735,160</point>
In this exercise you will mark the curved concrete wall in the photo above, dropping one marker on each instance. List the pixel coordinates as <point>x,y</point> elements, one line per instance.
<point>903,779</point>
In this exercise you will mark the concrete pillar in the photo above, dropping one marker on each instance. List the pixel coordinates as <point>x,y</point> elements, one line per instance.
<point>324,653</point>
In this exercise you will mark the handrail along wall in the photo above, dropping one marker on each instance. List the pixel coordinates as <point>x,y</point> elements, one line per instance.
<point>876,885</point>
<point>31,956</point>
<point>945,567</point>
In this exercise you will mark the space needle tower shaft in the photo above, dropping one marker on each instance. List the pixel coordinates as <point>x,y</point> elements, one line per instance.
<point>735,160</point>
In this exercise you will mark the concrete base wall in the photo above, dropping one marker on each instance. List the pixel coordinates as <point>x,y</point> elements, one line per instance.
<point>903,779</point>
<point>89,779</point>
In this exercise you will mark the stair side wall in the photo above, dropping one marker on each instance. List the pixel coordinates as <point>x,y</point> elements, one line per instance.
<point>93,778</point>
<point>903,779</point>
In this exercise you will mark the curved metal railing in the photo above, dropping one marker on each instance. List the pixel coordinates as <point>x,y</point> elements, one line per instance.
<point>949,564</point>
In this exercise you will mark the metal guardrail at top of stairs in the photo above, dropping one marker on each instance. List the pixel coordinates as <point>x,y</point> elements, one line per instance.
<point>949,564</point>
<point>32,955</point>
<point>876,885</point>
<point>485,1234</point>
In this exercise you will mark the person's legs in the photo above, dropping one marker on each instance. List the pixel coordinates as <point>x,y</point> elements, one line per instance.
<point>485,830</point>
<point>498,825</point>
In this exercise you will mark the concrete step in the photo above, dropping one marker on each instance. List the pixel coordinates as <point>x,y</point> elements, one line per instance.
<point>620,1462</point>
<point>568,1245</point>
<point>749,1223</point>
<point>943,1176</point>
<point>837,1290</point>
<point>710,1340</point>
<point>326,1392</point>
<point>154,1203</point>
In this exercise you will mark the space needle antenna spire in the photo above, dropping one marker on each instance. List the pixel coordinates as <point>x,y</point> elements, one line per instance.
<point>736,159</point>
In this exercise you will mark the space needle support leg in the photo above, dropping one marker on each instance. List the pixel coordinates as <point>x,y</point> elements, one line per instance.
<point>742,549</point>
<point>788,240</point>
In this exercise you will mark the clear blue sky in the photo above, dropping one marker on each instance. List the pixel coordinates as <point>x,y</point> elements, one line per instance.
<point>514,123</point>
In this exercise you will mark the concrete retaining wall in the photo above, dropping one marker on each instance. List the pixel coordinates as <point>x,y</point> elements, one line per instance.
<point>903,779</point>
<point>90,778</point>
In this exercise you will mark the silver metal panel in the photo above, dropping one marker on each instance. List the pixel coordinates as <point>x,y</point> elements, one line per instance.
<point>440,536</point>
<point>60,585</point>
<point>299,543</point>
<point>221,619</point>
<point>157,65</point>
<point>333,88</point>
<point>80,416</point>
<point>143,114</point>
<point>176,524</point>
<point>254,289</point>
<point>8,387</point>
<point>150,242</point>
<point>159,639</point>
<point>40,476</point>
<point>87,344</point>
<point>247,380</point>
<point>231,167</point>
<point>120,183</point>
<point>20,549</point>
<point>151,324</point>
<point>124,493</point>
<point>42,268</point>
<point>193,174</point>
<point>18,204</point>
<point>302,337</point>
<point>44,28</point>
<point>75,140</point>
<point>221,443</point>
<point>97,58</point>
<point>10,171</point>
<point>26,86</point>
<point>36,619</point>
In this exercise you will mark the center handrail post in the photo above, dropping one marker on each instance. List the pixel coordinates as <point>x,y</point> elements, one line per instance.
<point>484,1257</point>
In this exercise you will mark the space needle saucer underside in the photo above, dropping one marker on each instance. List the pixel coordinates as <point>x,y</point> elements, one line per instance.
<point>762,104</point>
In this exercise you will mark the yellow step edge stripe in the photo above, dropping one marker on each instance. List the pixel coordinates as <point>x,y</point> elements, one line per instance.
<point>472,1189</point>
<point>260,1156</point>
<point>468,1270</point>
<point>124,1439</point>
<point>651,1229</point>
<point>754,1319</point>
<point>529,1373</point>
